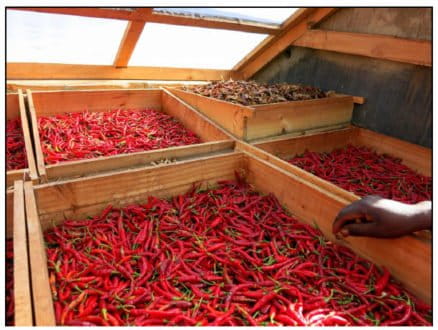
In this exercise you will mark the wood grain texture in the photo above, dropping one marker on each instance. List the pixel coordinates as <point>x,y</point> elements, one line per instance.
<point>89,167</point>
<point>225,114</point>
<point>42,297</point>
<point>371,45</point>
<point>129,41</point>
<point>81,197</point>
<point>38,71</point>
<point>299,116</point>
<point>22,294</point>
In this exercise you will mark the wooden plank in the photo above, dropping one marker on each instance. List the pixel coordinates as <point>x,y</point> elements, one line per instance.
<point>36,138</point>
<point>214,23</point>
<point>35,71</point>
<point>22,295</point>
<point>55,102</point>
<point>12,106</point>
<point>194,120</point>
<point>10,213</point>
<point>292,29</point>
<point>31,164</point>
<point>42,298</point>
<point>89,167</point>
<point>298,116</point>
<point>12,176</point>
<point>371,45</point>
<point>81,197</point>
<point>112,13</point>
<point>230,116</point>
<point>127,45</point>
<point>414,156</point>
<point>407,258</point>
<point>164,18</point>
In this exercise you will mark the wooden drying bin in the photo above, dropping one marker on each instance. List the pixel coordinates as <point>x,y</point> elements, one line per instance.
<point>52,103</point>
<point>15,108</point>
<point>16,230</point>
<point>260,121</point>
<point>47,205</point>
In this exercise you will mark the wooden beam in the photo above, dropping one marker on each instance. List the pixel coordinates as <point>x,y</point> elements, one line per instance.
<point>371,45</point>
<point>214,23</point>
<point>293,28</point>
<point>123,14</point>
<point>139,14</point>
<point>35,71</point>
<point>127,45</point>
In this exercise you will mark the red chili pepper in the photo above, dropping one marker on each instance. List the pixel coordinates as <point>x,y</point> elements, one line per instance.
<point>163,263</point>
<point>15,150</point>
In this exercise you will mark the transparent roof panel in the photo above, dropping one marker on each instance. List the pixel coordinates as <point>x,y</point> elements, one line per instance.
<point>53,38</point>
<point>192,47</point>
<point>262,15</point>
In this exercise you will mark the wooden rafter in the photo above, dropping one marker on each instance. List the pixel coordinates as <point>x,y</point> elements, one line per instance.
<point>127,45</point>
<point>371,45</point>
<point>293,28</point>
<point>35,71</point>
<point>163,18</point>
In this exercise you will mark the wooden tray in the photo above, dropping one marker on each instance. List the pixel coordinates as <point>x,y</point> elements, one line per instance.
<point>15,108</point>
<point>47,205</point>
<point>51,103</point>
<point>16,229</point>
<point>259,121</point>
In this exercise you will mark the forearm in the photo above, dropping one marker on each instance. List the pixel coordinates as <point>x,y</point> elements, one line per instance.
<point>422,216</point>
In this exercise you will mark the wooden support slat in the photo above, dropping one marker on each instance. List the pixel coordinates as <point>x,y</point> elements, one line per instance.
<point>127,45</point>
<point>140,14</point>
<point>35,71</point>
<point>41,293</point>
<point>22,294</point>
<point>112,13</point>
<point>371,45</point>
<point>27,138</point>
<point>36,138</point>
<point>293,28</point>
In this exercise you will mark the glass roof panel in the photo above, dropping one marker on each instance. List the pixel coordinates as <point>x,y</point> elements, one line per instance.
<point>192,47</point>
<point>53,38</point>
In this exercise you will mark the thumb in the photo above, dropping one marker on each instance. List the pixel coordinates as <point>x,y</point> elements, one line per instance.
<point>362,229</point>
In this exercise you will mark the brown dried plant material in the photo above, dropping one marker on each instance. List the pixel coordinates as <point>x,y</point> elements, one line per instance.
<point>253,93</point>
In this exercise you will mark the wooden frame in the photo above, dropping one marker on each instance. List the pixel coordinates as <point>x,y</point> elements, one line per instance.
<point>276,150</point>
<point>147,15</point>
<point>408,259</point>
<point>47,104</point>
<point>22,291</point>
<point>15,107</point>
<point>38,71</point>
<point>371,45</point>
<point>260,121</point>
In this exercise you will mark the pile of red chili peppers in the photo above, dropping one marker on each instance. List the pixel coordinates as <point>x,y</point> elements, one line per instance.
<point>219,256</point>
<point>15,150</point>
<point>80,135</point>
<point>364,172</point>
<point>9,282</point>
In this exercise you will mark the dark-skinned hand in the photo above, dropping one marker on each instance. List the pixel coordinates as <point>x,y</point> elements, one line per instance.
<point>375,216</point>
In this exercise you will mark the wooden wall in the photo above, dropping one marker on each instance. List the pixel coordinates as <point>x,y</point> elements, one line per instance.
<point>399,95</point>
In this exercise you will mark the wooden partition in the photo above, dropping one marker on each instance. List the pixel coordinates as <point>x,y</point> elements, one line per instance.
<point>15,108</point>
<point>51,103</point>
<point>16,230</point>
<point>47,205</point>
<point>278,150</point>
<point>260,121</point>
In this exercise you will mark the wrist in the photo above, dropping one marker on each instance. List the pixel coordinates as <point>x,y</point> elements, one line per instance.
<point>420,217</point>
